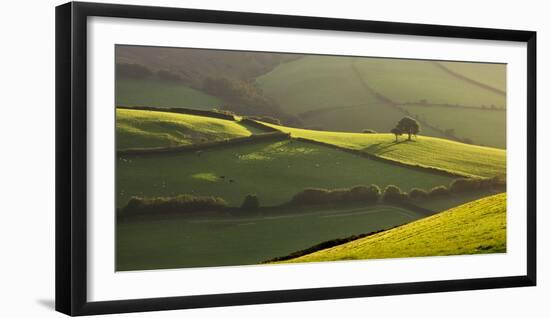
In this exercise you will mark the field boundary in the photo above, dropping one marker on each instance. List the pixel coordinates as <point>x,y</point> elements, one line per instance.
<point>259,125</point>
<point>469,80</point>
<point>275,136</point>
<point>396,105</point>
<point>488,109</point>
<point>178,110</point>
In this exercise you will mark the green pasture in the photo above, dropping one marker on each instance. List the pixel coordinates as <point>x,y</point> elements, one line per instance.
<point>483,127</point>
<point>275,171</point>
<point>464,159</point>
<point>411,81</point>
<point>359,118</point>
<point>315,82</point>
<point>454,199</point>
<point>340,93</point>
<point>490,74</point>
<point>146,129</point>
<point>147,243</point>
<point>477,227</point>
<point>158,93</point>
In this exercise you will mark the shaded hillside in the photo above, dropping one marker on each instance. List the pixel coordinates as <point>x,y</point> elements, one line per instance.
<point>194,65</point>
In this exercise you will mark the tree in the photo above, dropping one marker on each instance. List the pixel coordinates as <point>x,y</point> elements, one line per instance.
<point>250,203</point>
<point>396,132</point>
<point>392,193</point>
<point>409,126</point>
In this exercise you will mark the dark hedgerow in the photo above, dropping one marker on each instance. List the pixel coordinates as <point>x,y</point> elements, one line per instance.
<point>250,203</point>
<point>311,196</point>
<point>438,191</point>
<point>367,194</point>
<point>181,204</point>
<point>369,131</point>
<point>392,193</point>
<point>357,194</point>
<point>465,185</point>
<point>418,194</point>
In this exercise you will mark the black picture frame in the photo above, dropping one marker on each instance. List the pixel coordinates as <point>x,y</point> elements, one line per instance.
<point>71,157</point>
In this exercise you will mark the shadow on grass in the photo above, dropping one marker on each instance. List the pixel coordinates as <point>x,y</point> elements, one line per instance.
<point>383,148</point>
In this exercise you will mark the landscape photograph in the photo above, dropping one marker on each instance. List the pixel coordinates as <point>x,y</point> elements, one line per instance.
<point>231,158</point>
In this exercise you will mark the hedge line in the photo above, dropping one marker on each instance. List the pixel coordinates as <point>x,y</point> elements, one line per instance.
<point>277,135</point>
<point>317,196</point>
<point>258,125</point>
<point>369,195</point>
<point>183,204</point>
<point>178,110</point>
<point>321,246</point>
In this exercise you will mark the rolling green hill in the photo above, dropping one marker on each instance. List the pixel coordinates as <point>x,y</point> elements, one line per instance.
<point>147,129</point>
<point>275,171</point>
<point>158,93</point>
<point>474,228</point>
<point>463,159</point>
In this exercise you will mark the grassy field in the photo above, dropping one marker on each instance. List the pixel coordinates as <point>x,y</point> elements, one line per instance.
<point>353,94</point>
<point>315,82</point>
<point>406,81</point>
<point>474,228</point>
<point>493,75</point>
<point>359,118</point>
<point>275,171</point>
<point>456,157</point>
<point>172,243</point>
<point>454,199</point>
<point>466,122</point>
<point>157,93</point>
<point>145,129</point>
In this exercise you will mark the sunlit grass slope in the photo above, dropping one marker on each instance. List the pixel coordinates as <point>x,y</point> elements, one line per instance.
<point>477,227</point>
<point>464,159</point>
<point>157,93</point>
<point>145,129</point>
<point>275,171</point>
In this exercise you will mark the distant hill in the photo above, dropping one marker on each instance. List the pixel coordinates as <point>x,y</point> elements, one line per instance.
<point>477,227</point>
<point>459,101</point>
<point>454,100</point>
<point>196,78</point>
<point>194,65</point>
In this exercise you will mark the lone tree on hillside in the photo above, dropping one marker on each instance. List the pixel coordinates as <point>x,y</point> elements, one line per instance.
<point>409,126</point>
<point>396,132</point>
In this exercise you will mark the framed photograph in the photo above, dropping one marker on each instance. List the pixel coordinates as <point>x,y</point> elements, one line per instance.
<point>209,158</point>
